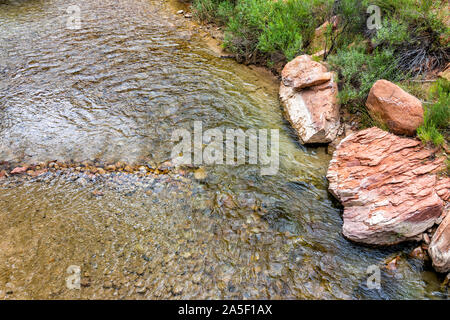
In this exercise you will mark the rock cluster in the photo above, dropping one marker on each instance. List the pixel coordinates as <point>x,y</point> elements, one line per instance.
<point>392,189</point>
<point>308,93</point>
<point>88,167</point>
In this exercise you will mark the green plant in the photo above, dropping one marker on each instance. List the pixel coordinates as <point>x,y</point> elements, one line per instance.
<point>436,117</point>
<point>359,70</point>
<point>415,30</point>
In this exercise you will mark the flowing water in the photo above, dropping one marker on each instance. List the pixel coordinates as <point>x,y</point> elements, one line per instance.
<point>115,90</point>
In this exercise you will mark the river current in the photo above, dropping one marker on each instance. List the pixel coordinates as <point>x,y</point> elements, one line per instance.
<point>114,90</point>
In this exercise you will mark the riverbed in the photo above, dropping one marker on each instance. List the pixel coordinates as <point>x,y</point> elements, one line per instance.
<point>114,90</point>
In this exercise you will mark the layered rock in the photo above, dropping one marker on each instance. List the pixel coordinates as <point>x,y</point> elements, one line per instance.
<point>391,105</point>
<point>388,186</point>
<point>303,72</point>
<point>308,94</point>
<point>439,249</point>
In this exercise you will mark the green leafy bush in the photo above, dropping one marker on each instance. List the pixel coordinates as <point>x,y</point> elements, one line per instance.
<point>358,71</point>
<point>437,117</point>
<point>413,38</point>
<point>264,26</point>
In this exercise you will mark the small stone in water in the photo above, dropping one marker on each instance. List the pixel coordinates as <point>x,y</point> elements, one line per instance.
<point>186,255</point>
<point>9,288</point>
<point>111,167</point>
<point>19,170</point>
<point>97,193</point>
<point>200,174</point>
<point>178,289</point>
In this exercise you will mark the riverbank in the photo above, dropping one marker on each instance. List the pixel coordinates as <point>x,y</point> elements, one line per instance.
<point>115,90</point>
<point>309,95</point>
<point>407,50</point>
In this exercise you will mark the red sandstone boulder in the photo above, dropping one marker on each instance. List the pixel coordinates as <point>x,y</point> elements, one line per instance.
<point>439,249</point>
<point>400,111</point>
<point>387,185</point>
<point>309,96</point>
<point>303,72</point>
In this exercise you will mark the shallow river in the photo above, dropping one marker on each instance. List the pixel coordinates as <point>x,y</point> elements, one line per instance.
<point>114,90</point>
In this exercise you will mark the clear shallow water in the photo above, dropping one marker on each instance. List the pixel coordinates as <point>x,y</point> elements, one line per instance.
<point>115,90</point>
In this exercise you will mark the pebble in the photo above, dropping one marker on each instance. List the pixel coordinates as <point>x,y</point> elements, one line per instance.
<point>177,289</point>
<point>200,174</point>
<point>186,255</point>
<point>82,181</point>
<point>111,167</point>
<point>418,253</point>
<point>392,264</point>
<point>9,288</point>
<point>141,290</point>
<point>97,193</point>
<point>197,278</point>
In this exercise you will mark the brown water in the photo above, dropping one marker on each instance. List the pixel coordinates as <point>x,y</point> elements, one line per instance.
<point>115,90</point>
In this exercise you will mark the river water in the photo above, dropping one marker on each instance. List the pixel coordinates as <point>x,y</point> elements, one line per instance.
<point>115,90</point>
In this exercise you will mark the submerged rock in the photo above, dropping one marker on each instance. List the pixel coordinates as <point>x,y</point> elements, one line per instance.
<point>400,111</point>
<point>19,170</point>
<point>439,249</point>
<point>387,185</point>
<point>308,94</point>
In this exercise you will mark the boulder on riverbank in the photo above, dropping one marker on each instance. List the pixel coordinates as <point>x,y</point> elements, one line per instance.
<point>308,94</point>
<point>439,249</point>
<point>401,112</point>
<point>388,185</point>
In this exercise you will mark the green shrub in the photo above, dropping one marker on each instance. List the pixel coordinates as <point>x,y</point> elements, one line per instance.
<point>414,29</point>
<point>264,26</point>
<point>358,71</point>
<point>436,117</point>
<point>272,26</point>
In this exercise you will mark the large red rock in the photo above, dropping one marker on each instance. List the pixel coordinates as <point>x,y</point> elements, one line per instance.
<point>309,96</point>
<point>391,105</point>
<point>439,249</point>
<point>303,72</point>
<point>387,185</point>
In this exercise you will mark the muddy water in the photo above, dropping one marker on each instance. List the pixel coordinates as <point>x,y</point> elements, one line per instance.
<point>115,90</point>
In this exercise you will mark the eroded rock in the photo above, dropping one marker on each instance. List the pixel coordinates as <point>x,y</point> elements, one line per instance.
<point>439,249</point>
<point>387,185</point>
<point>309,96</point>
<point>391,105</point>
<point>303,72</point>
